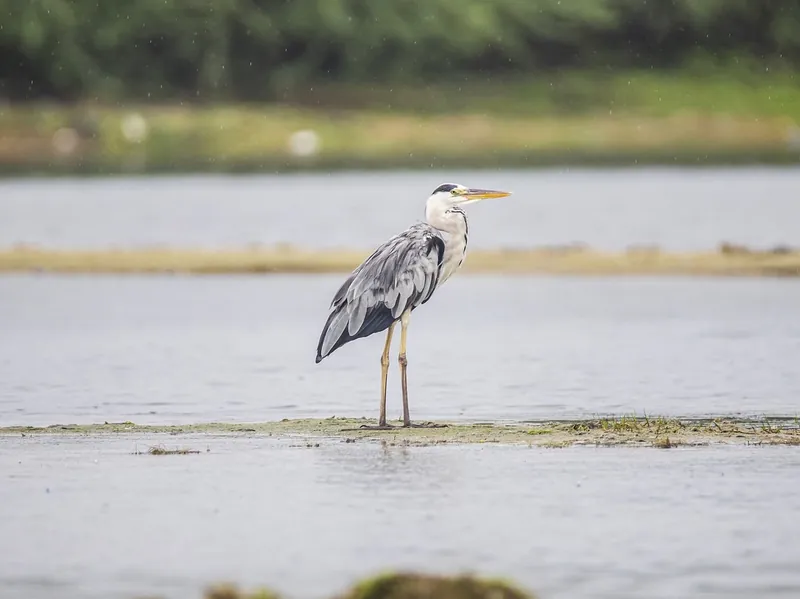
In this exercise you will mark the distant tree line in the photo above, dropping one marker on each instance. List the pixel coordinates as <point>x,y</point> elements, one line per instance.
<point>256,49</point>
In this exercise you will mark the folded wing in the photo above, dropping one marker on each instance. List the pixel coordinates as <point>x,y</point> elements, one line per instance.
<point>400,275</point>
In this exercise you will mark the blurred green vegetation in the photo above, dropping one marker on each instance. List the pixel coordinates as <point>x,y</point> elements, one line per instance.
<point>575,117</point>
<point>181,85</point>
<point>280,49</point>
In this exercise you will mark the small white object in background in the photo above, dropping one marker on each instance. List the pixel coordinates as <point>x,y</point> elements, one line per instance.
<point>65,140</point>
<point>134,128</point>
<point>793,138</point>
<point>304,143</point>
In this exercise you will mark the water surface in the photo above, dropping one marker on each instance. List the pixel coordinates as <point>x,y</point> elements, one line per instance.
<point>162,350</point>
<point>83,518</point>
<point>678,209</point>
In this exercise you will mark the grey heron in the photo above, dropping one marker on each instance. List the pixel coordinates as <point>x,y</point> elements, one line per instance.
<point>398,277</point>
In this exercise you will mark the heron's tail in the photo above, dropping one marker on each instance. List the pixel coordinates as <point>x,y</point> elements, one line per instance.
<point>332,332</point>
<point>335,333</point>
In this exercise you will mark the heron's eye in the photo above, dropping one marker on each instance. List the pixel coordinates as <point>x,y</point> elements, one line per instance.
<point>456,191</point>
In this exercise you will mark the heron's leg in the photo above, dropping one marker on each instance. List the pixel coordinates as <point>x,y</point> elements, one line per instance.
<point>384,377</point>
<point>385,374</point>
<point>404,376</point>
<point>404,319</point>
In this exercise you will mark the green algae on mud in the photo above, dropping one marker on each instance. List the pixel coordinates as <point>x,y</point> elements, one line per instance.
<point>403,585</point>
<point>161,450</point>
<point>420,586</point>
<point>634,431</point>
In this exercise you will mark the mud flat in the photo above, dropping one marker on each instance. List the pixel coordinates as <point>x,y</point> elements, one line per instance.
<point>628,431</point>
<point>568,260</point>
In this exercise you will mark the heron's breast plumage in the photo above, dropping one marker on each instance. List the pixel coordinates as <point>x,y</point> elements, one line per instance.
<point>455,246</point>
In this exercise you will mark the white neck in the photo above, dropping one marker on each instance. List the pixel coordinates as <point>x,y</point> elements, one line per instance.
<point>452,221</point>
<point>443,217</point>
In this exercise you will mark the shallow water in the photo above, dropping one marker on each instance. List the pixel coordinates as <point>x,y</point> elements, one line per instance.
<point>84,518</point>
<point>82,349</point>
<point>678,209</point>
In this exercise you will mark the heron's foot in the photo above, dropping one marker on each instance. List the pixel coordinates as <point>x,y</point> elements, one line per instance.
<point>425,425</point>
<point>377,427</point>
<point>372,427</point>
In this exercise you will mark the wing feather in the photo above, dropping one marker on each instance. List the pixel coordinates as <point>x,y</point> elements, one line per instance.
<point>399,275</point>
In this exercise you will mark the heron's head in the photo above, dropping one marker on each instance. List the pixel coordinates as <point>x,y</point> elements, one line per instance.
<point>448,195</point>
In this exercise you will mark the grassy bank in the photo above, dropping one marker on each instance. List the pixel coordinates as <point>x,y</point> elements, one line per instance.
<point>727,261</point>
<point>571,118</point>
<point>615,431</point>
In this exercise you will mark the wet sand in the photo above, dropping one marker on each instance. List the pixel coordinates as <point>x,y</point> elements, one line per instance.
<point>619,431</point>
<point>567,260</point>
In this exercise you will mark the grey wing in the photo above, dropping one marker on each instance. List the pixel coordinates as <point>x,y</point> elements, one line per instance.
<point>400,275</point>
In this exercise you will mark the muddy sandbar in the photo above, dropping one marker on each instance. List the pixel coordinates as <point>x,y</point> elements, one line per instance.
<point>631,431</point>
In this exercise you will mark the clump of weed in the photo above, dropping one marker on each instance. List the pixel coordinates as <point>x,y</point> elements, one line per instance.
<point>230,591</point>
<point>161,450</point>
<point>421,586</point>
<point>556,444</point>
<point>663,443</point>
<point>539,431</point>
<point>629,424</point>
<point>769,428</point>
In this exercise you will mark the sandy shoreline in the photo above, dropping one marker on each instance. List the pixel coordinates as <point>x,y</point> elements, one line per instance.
<point>726,261</point>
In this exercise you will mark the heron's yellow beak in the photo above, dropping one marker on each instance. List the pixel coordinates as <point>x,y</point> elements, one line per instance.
<point>484,194</point>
